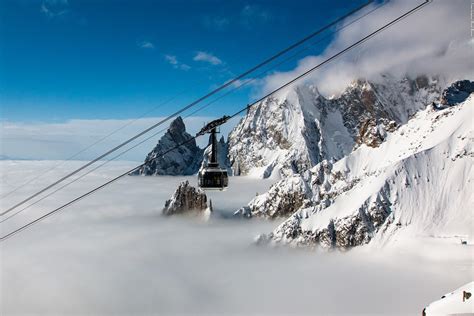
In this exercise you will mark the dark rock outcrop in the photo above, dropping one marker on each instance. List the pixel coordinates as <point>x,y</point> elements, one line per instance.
<point>457,92</point>
<point>184,160</point>
<point>186,199</point>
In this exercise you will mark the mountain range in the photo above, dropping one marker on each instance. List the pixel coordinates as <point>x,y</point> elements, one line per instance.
<point>383,157</point>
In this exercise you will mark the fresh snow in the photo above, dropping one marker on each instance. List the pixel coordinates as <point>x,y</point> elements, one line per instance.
<point>453,303</point>
<point>424,150</point>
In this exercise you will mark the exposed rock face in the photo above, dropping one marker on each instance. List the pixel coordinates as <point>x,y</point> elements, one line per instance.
<point>410,181</point>
<point>301,130</point>
<point>457,92</point>
<point>292,132</point>
<point>283,199</point>
<point>186,199</point>
<point>364,165</point>
<point>184,160</point>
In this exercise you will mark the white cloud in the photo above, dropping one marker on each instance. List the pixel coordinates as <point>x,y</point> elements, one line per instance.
<point>184,67</point>
<point>249,16</point>
<point>146,45</point>
<point>112,253</point>
<point>434,40</point>
<point>25,140</point>
<point>252,14</point>
<point>54,8</point>
<point>207,57</point>
<point>216,23</point>
<point>173,60</point>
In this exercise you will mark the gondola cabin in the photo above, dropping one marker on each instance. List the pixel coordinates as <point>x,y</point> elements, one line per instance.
<point>212,176</point>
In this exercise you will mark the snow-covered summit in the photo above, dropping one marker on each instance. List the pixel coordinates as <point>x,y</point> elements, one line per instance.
<point>295,130</point>
<point>419,180</point>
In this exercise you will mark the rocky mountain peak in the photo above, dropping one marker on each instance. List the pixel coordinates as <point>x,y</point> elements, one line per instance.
<point>291,132</point>
<point>177,126</point>
<point>184,160</point>
<point>399,184</point>
<point>186,199</point>
<point>457,92</point>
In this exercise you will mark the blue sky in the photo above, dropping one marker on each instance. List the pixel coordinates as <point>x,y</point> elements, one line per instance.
<point>62,60</point>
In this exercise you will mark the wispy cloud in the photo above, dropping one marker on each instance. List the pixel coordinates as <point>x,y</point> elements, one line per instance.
<point>252,14</point>
<point>146,45</point>
<point>413,47</point>
<point>173,60</point>
<point>208,58</point>
<point>54,8</point>
<point>218,23</point>
<point>247,17</point>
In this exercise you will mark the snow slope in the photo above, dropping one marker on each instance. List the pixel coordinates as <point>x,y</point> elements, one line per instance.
<point>453,303</point>
<point>296,129</point>
<point>420,179</point>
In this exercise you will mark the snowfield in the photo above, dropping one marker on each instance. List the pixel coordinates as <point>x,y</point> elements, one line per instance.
<point>417,182</point>
<point>113,253</point>
<point>454,303</point>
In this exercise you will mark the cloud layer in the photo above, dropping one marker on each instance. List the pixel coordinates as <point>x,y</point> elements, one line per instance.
<point>112,253</point>
<point>434,40</point>
<point>24,140</point>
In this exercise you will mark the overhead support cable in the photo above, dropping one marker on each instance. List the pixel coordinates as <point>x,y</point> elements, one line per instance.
<point>245,83</point>
<point>223,120</point>
<point>192,104</point>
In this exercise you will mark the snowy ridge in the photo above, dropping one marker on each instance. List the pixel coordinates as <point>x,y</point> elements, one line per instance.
<point>458,302</point>
<point>295,130</point>
<point>420,179</point>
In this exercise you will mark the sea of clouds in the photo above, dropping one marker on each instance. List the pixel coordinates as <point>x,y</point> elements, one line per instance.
<point>113,253</point>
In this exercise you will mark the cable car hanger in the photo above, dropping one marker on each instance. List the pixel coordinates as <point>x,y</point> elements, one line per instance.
<point>212,176</point>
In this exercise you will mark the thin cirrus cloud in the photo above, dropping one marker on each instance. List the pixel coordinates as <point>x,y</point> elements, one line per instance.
<point>219,23</point>
<point>54,8</point>
<point>173,60</point>
<point>252,14</point>
<point>249,16</point>
<point>208,58</point>
<point>146,45</point>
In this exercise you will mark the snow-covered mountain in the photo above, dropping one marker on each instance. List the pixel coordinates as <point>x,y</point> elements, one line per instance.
<point>292,132</point>
<point>457,302</point>
<point>403,164</point>
<point>184,160</point>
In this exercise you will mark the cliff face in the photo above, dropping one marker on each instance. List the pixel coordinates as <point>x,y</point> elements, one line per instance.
<point>292,132</point>
<point>406,169</point>
<point>184,160</point>
<point>186,199</point>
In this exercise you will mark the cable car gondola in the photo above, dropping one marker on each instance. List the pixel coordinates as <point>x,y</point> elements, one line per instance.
<point>212,176</point>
